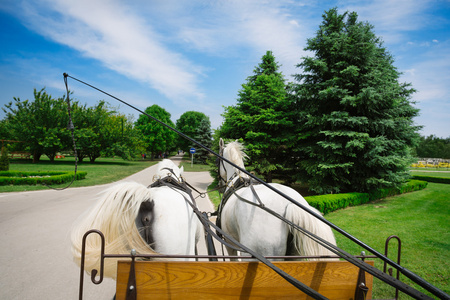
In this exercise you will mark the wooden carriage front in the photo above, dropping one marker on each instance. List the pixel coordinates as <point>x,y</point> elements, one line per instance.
<point>238,280</point>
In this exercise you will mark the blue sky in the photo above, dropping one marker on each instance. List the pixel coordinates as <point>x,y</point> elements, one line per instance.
<point>195,55</point>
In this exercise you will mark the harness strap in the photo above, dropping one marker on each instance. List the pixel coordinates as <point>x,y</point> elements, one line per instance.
<point>168,181</point>
<point>175,185</point>
<point>202,195</point>
<point>256,195</point>
<point>240,183</point>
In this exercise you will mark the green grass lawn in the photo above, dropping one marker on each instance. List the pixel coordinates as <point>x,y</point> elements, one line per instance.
<point>104,170</point>
<point>436,173</point>
<point>420,219</point>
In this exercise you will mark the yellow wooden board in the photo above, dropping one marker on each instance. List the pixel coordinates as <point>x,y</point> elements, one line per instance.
<point>238,280</point>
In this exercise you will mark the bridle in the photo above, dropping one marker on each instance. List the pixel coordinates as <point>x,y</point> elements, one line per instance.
<point>220,163</point>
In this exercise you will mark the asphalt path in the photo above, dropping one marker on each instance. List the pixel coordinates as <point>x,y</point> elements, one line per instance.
<point>35,255</point>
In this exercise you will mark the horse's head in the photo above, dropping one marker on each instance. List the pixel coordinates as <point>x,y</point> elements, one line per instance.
<point>166,167</point>
<point>234,152</point>
<point>114,214</point>
<point>221,171</point>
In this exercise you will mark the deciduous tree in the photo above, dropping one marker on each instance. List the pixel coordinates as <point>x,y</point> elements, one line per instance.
<point>433,147</point>
<point>41,123</point>
<point>188,123</point>
<point>158,138</point>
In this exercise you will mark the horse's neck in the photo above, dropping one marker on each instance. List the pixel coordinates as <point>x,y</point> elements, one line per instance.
<point>234,173</point>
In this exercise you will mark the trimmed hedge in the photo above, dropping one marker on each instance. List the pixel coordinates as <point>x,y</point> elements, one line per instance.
<point>432,179</point>
<point>332,202</point>
<point>34,178</point>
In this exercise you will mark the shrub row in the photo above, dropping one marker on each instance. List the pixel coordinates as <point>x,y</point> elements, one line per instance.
<point>432,179</point>
<point>332,202</point>
<point>34,178</point>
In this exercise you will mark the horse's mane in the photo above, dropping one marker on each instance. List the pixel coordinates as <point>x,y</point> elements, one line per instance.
<point>114,215</point>
<point>236,152</point>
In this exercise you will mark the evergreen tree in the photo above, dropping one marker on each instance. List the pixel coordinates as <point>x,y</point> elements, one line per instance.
<point>203,136</point>
<point>356,126</point>
<point>262,118</point>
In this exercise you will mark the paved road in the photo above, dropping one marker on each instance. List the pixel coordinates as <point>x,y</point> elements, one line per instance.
<point>35,257</point>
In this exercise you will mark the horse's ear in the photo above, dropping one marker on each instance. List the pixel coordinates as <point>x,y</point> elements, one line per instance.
<point>221,146</point>
<point>181,169</point>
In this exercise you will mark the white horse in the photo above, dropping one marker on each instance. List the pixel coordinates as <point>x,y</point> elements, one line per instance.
<point>132,216</point>
<point>256,228</point>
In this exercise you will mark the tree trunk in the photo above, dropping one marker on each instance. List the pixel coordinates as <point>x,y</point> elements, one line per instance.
<point>36,157</point>
<point>268,177</point>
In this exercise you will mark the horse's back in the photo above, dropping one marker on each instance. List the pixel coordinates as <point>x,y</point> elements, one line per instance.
<point>254,227</point>
<point>267,234</point>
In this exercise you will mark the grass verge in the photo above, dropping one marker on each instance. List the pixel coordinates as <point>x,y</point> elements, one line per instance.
<point>420,219</point>
<point>443,174</point>
<point>104,170</point>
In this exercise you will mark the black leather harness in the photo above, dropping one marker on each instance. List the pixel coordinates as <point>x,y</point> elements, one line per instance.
<point>241,182</point>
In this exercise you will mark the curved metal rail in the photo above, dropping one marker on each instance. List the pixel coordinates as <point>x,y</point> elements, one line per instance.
<point>360,292</point>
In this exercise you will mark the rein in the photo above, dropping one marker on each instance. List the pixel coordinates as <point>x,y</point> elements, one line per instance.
<point>377,273</point>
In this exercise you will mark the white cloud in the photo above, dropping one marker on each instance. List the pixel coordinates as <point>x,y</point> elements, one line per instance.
<point>430,75</point>
<point>250,28</point>
<point>145,41</point>
<point>114,34</point>
<point>392,18</point>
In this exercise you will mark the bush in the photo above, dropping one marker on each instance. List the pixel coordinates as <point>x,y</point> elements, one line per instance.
<point>34,178</point>
<point>432,179</point>
<point>332,202</point>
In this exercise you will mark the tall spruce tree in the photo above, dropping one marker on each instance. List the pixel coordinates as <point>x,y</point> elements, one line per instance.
<point>204,136</point>
<point>356,119</point>
<point>262,118</point>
